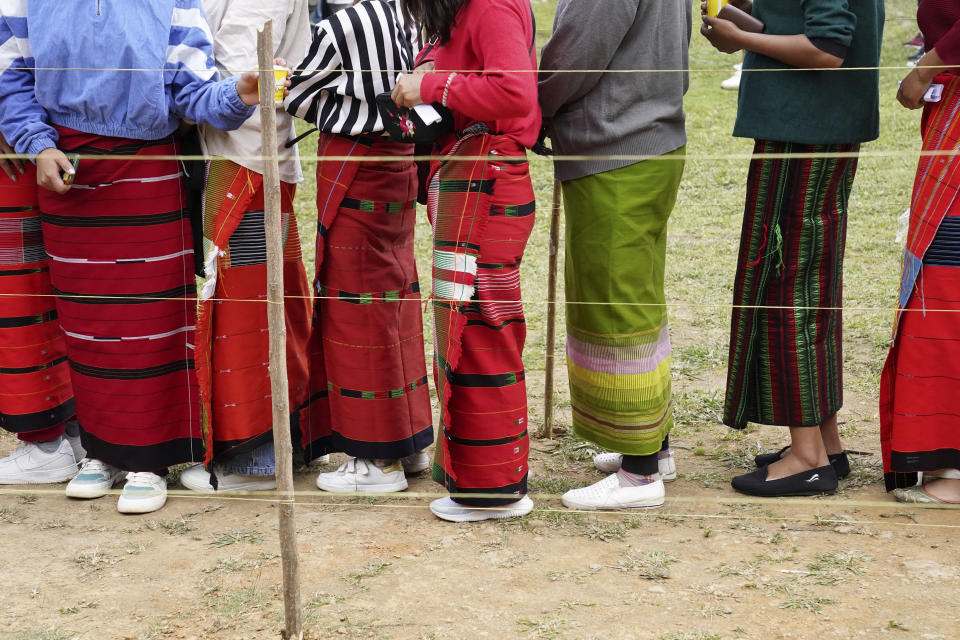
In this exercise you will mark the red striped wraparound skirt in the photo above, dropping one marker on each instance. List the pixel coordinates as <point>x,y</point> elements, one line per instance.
<point>368,375</point>
<point>35,393</point>
<point>482,213</point>
<point>233,341</point>
<point>121,263</point>
<point>919,399</point>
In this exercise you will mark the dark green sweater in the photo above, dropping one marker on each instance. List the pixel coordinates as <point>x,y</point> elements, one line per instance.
<point>815,107</point>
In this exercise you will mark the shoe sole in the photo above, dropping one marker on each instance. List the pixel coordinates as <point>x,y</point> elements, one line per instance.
<point>243,489</point>
<point>82,493</point>
<point>590,507</point>
<point>395,487</point>
<point>793,494</point>
<point>474,516</point>
<point>140,505</point>
<point>45,477</point>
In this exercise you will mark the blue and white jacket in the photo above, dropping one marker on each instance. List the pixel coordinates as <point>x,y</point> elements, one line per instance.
<point>108,67</point>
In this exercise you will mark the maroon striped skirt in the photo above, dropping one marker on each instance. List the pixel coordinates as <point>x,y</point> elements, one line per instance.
<point>121,263</point>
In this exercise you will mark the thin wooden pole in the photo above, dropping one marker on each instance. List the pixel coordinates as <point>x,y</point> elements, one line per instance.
<point>551,312</point>
<point>289,557</point>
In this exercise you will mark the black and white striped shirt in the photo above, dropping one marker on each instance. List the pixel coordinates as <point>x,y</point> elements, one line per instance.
<point>356,54</point>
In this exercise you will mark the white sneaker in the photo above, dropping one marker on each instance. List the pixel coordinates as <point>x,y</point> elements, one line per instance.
<point>610,463</point>
<point>196,478</point>
<point>447,509</point>
<point>95,479</point>
<point>29,464</point>
<point>358,475</point>
<point>733,82</point>
<point>608,494</point>
<point>415,463</point>
<point>324,459</point>
<point>144,492</point>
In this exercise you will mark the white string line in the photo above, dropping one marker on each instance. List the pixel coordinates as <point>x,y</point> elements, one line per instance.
<point>424,300</point>
<point>671,157</point>
<point>903,67</point>
<point>730,502</point>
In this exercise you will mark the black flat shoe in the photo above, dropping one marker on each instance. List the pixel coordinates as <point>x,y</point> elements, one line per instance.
<point>813,482</point>
<point>839,461</point>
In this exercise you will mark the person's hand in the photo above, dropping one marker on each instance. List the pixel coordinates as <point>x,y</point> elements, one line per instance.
<point>910,93</point>
<point>248,86</point>
<point>407,91</point>
<point>50,162</point>
<point>426,67</point>
<point>722,34</point>
<point>10,166</point>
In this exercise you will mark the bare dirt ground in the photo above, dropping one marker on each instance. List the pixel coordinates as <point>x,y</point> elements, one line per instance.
<point>709,565</point>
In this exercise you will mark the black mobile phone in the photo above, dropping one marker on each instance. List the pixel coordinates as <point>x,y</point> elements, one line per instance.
<point>68,178</point>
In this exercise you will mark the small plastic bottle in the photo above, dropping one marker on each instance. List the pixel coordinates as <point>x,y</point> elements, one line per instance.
<point>714,6</point>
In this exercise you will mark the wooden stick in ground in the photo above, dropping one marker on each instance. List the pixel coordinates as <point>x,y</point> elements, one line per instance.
<point>551,312</point>
<point>278,338</point>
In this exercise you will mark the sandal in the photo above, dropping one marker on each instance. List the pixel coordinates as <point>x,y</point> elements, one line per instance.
<point>917,495</point>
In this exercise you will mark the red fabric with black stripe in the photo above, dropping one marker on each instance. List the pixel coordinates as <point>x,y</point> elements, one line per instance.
<point>479,325</point>
<point>121,262</point>
<point>233,341</point>
<point>35,392</point>
<point>368,376</point>
<point>919,405</point>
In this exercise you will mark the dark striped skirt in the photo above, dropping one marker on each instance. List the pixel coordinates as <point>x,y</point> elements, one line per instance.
<point>368,375</point>
<point>121,263</point>
<point>233,341</point>
<point>482,213</point>
<point>35,393</point>
<point>785,365</point>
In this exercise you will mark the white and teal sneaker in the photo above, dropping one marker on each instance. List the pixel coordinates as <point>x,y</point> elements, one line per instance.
<point>95,479</point>
<point>144,492</point>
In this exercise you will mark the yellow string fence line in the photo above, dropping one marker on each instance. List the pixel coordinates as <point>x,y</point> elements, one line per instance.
<point>903,67</point>
<point>271,497</point>
<point>309,159</point>
<point>682,305</point>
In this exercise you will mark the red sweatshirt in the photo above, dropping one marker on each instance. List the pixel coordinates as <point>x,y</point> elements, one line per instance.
<point>492,37</point>
<point>939,21</point>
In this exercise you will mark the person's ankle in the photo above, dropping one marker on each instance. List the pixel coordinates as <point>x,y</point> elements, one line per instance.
<point>807,459</point>
<point>628,479</point>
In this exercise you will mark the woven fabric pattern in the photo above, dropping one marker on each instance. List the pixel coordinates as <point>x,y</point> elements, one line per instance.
<point>785,365</point>
<point>919,408</point>
<point>618,355</point>
<point>35,391</point>
<point>479,325</point>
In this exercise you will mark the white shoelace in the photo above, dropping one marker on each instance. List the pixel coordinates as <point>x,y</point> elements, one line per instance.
<point>141,478</point>
<point>355,465</point>
<point>89,465</point>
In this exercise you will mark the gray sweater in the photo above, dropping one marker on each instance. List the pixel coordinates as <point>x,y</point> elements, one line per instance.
<point>603,114</point>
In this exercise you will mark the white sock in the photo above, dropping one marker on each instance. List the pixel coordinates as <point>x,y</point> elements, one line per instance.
<point>628,479</point>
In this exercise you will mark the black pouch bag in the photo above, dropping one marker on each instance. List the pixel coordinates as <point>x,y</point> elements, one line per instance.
<point>403,124</point>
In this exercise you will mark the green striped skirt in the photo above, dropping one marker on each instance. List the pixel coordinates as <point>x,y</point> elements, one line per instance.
<point>785,365</point>
<point>618,342</point>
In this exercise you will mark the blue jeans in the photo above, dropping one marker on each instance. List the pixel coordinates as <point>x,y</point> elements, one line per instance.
<point>256,462</point>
